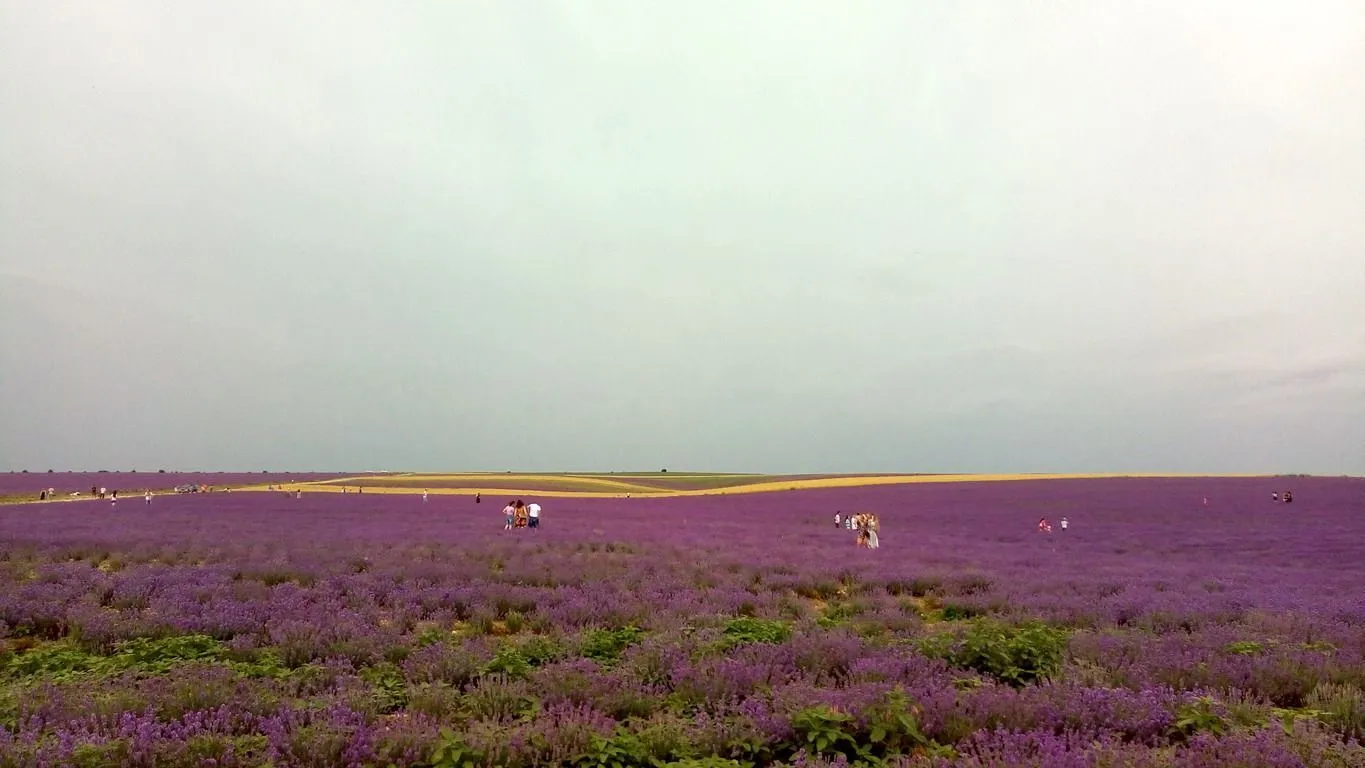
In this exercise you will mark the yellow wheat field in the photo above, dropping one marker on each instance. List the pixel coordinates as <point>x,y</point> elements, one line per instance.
<point>498,486</point>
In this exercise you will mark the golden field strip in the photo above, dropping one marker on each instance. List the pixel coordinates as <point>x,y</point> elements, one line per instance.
<point>597,486</point>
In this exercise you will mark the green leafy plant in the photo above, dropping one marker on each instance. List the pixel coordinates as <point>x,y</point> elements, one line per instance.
<point>620,750</point>
<point>836,615</point>
<point>1199,716</point>
<point>888,728</point>
<point>539,650</point>
<point>1245,648</point>
<point>431,636</point>
<point>823,730</point>
<point>452,752</point>
<point>893,725</point>
<point>1013,654</point>
<point>1288,718</point>
<point>744,630</point>
<point>155,656</point>
<point>607,644</point>
<point>508,661</point>
<point>390,690</point>
<point>957,612</point>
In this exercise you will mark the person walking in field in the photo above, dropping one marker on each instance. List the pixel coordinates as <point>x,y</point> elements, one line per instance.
<point>838,520</point>
<point>1274,497</point>
<point>424,497</point>
<point>1064,524</point>
<point>147,497</point>
<point>522,517</point>
<point>509,512</point>
<point>478,498</point>
<point>533,515</point>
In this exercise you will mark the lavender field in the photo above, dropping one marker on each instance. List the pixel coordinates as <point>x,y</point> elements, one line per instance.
<point>24,484</point>
<point>255,629</point>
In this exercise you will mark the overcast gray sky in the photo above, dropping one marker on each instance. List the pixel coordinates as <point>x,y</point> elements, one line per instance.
<point>758,236</point>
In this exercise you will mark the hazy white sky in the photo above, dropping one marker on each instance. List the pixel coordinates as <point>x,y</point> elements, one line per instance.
<point>766,236</point>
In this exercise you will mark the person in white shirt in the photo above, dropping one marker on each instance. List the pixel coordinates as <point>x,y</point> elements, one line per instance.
<point>838,520</point>
<point>533,512</point>
<point>1064,523</point>
<point>424,497</point>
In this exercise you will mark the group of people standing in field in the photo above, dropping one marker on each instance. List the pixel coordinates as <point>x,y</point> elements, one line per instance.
<point>865,523</point>
<point>1046,527</point>
<point>1286,498</point>
<point>518,514</point>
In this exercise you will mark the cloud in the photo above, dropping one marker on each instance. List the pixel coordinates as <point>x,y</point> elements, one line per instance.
<point>795,238</point>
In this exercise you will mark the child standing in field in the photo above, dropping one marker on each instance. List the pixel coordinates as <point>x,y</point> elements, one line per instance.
<point>509,512</point>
